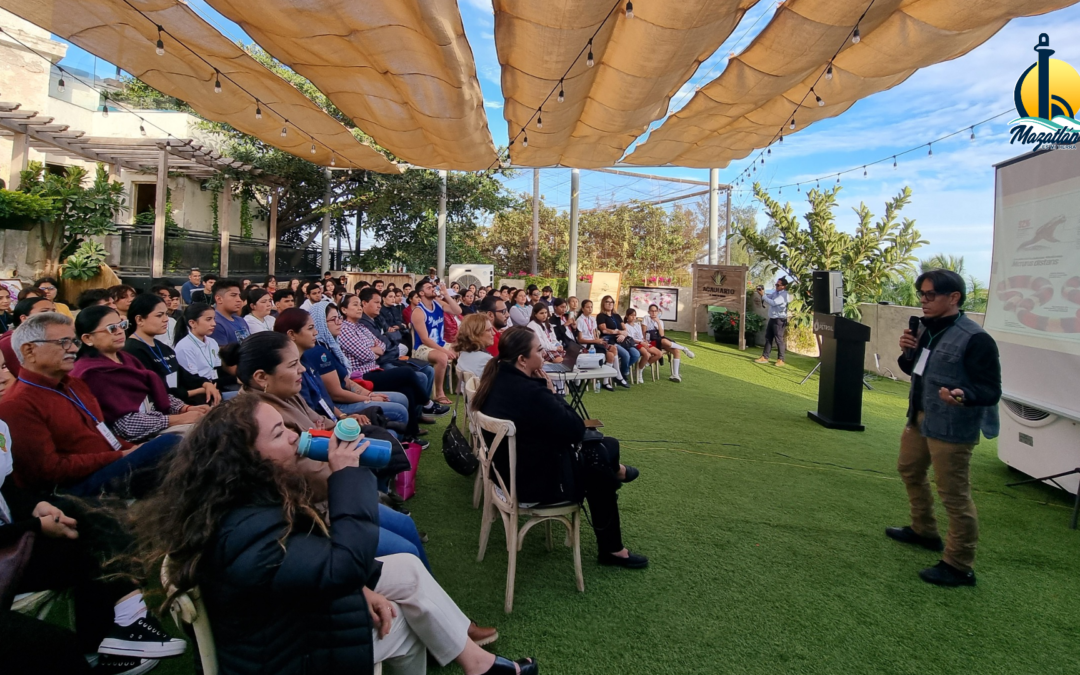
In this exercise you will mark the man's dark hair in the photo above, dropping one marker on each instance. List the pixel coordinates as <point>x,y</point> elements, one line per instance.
<point>378,281</point>
<point>546,289</point>
<point>223,285</point>
<point>156,289</point>
<point>91,297</point>
<point>282,293</point>
<point>327,275</point>
<point>557,302</point>
<point>488,303</point>
<point>423,282</point>
<point>210,277</point>
<point>945,282</point>
<point>368,292</point>
<point>388,290</point>
<point>121,291</point>
<point>309,286</point>
<point>531,288</point>
<point>782,281</point>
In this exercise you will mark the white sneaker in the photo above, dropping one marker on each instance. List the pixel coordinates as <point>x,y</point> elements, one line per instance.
<point>641,377</point>
<point>675,378</point>
<point>686,350</point>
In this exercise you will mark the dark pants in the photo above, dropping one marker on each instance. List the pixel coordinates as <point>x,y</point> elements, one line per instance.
<point>135,475</point>
<point>32,646</point>
<point>407,381</point>
<point>598,475</point>
<point>775,331</point>
<point>76,564</point>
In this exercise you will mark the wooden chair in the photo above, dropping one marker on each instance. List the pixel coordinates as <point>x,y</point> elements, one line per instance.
<point>37,604</point>
<point>501,496</point>
<point>471,386</point>
<point>189,608</point>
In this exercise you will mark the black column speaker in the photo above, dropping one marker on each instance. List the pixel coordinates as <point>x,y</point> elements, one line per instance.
<point>828,292</point>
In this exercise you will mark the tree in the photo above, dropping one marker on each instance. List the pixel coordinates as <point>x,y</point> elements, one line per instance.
<point>78,212</point>
<point>507,241</point>
<point>876,253</point>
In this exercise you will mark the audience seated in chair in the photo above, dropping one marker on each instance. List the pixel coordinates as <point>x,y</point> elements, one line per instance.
<point>428,320</point>
<point>654,333</point>
<point>473,339</point>
<point>589,336</point>
<point>135,401</point>
<point>257,310</point>
<point>65,555</point>
<point>49,286</point>
<point>612,331</point>
<point>519,307</point>
<point>61,438</point>
<point>229,326</point>
<point>274,574</point>
<point>496,309</point>
<point>650,354</point>
<point>539,324</point>
<point>362,343</point>
<point>515,387</point>
<point>148,319</point>
<point>394,352</point>
<point>23,309</point>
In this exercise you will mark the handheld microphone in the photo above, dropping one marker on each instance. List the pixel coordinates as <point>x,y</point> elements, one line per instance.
<point>913,326</point>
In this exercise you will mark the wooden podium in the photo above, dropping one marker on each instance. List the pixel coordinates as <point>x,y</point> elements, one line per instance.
<point>840,387</point>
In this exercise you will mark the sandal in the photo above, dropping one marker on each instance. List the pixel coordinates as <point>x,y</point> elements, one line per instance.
<point>442,400</point>
<point>504,666</point>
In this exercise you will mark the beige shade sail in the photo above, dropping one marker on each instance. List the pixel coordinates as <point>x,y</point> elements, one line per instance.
<point>640,63</point>
<point>116,31</point>
<point>401,69</point>
<point>761,89</point>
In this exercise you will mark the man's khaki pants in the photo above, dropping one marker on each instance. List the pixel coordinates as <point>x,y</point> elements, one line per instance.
<point>952,464</point>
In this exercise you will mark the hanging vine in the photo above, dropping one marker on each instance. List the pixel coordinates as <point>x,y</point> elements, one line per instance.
<point>245,212</point>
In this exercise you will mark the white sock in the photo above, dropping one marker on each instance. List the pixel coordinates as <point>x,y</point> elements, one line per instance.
<point>675,367</point>
<point>129,611</point>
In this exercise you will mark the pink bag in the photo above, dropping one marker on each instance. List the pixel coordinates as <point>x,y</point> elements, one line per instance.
<point>405,482</point>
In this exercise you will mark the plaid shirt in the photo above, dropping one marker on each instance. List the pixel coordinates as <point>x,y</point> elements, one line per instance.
<point>357,341</point>
<point>138,426</point>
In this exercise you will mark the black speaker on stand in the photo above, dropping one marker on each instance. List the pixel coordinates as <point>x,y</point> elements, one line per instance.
<point>843,345</point>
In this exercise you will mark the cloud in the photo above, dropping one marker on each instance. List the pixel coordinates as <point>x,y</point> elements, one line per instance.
<point>493,104</point>
<point>482,5</point>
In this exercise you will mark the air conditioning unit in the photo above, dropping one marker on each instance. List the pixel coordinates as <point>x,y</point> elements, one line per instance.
<point>1039,443</point>
<point>481,275</point>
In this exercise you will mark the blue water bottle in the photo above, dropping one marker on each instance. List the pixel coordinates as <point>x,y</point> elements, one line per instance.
<point>376,456</point>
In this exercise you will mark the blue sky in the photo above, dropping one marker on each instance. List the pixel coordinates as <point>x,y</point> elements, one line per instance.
<point>953,190</point>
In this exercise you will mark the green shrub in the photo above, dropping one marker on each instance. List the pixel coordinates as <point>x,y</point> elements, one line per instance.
<point>560,286</point>
<point>85,263</point>
<point>16,205</point>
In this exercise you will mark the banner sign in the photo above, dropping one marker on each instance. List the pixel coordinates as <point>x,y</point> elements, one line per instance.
<point>720,286</point>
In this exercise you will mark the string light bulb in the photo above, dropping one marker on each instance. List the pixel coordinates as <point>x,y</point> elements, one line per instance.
<point>284,131</point>
<point>769,151</point>
<point>931,151</point>
<point>333,162</point>
<point>828,72</point>
<point>590,61</point>
<point>792,125</point>
<point>798,187</point>
<point>525,141</point>
<point>60,85</point>
<point>562,94</point>
<point>104,105</point>
<point>313,148</point>
<point>142,130</point>
<point>217,82</point>
<point>864,170</point>
<point>629,10</point>
<point>856,36</point>
<point>160,43</point>
<point>894,161</point>
<point>820,102</point>
<point>781,135</point>
<point>972,133</point>
<point>539,122</point>
<point>258,111</point>
<point>837,179</point>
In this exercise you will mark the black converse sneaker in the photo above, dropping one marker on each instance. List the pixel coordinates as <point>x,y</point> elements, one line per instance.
<point>108,664</point>
<point>142,639</point>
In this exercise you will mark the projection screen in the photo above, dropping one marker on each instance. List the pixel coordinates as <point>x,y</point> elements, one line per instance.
<point>1034,305</point>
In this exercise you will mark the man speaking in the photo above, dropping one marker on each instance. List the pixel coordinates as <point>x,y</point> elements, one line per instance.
<point>955,387</point>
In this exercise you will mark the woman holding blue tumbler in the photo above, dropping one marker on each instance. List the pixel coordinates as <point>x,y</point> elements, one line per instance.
<point>270,363</point>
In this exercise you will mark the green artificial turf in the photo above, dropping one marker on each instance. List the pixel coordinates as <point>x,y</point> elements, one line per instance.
<point>765,534</point>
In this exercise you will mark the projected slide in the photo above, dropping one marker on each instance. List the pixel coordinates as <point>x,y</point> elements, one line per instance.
<point>1035,285</point>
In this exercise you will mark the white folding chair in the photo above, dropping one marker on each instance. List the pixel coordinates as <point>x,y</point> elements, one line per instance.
<point>471,386</point>
<point>501,496</point>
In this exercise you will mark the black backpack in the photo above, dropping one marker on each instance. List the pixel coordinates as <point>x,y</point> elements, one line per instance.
<point>459,455</point>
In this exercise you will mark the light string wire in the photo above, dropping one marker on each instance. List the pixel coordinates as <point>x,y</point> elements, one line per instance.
<point>968,128</point>
<point>259,104</point>
<point>851,35</point>
<point>560,84</point>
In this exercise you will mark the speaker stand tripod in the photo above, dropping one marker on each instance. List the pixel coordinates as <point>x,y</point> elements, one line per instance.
<point>1076,504</point>
<point>811,373</point>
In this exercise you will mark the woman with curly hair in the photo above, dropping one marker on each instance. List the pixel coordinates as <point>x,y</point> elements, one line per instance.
<point>289,590</point>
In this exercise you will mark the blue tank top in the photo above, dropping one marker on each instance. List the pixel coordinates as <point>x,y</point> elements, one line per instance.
<point>433,321</point>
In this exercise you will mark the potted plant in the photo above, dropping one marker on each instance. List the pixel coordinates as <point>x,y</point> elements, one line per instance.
<point>22,211</point>
<point>725,326</point>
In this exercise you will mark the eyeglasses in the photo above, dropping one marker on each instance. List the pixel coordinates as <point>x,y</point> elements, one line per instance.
<point>928,296</point>
<point>502,311</point>
<point>47,288</point>
<point>65,343</point>
<point>335,319</point>
<point>113,328</point>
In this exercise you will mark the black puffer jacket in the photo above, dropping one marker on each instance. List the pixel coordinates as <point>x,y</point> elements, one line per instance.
<point>548,431</point>
<point>299,609</point>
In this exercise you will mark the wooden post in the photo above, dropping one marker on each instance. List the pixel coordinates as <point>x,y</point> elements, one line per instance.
<point>327,196</point>
<point>534,248</point>
<point>742,322</point>
<point>157,268</point>
<point>271,237</point>
<point>693,303</point>
<point>20,157</point>
<point>575,191</point>
<point>223,226</point>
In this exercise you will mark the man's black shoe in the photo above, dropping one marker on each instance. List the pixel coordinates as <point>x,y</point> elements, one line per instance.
<point>944,574</point>
<point>906,535</point>
<point>424,445</point>
<point>630,562</point>
<point>623,383</point>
